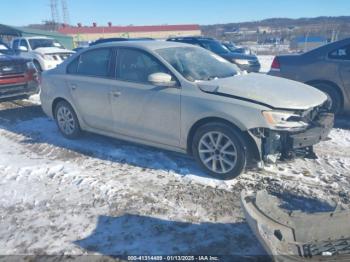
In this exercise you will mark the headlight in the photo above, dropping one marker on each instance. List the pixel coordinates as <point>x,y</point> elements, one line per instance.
<point>284,120</point>
<point>46,57</point>
<point>240,61</point>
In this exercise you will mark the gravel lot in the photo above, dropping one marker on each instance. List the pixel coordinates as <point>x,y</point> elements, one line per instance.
<point>98,195</point>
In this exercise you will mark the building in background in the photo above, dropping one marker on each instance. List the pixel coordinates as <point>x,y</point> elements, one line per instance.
<point>305,43</point>
<point>84,34</point>
<point>9,32</point>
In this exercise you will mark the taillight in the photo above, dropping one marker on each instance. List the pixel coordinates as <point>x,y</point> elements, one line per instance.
<point>276,66</point>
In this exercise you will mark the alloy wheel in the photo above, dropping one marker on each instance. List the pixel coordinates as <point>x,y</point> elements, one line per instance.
<point>66,120</point>
<point>217,152</point>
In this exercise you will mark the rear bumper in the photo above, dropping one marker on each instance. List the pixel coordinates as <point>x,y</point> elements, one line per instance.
<point>250,68</point>
<point>276,73</point>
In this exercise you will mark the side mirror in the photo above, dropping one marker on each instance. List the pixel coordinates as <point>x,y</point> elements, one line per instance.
<point>161,79</point>
<point>23,49</point>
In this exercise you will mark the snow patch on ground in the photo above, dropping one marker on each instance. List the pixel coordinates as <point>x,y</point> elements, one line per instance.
<point>265,62</point>
<point>102,195</point>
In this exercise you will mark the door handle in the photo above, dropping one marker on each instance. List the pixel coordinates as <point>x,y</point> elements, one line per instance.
<point>115,93</point>
<point>73,86</point>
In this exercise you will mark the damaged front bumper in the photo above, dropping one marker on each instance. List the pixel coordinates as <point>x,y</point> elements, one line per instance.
<point>296,236</point>
<point>276,145</point>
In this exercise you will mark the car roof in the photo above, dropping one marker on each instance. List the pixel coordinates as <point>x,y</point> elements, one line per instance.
<point>33,37</point>
<point>329,47</point>
<point>151,45</point>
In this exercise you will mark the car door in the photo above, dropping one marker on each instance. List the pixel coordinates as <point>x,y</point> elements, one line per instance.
<point>142,110</point>
<point>342,58</point>
<point>90,78</point>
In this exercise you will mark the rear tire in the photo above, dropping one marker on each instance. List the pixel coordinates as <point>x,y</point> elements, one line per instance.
<point>66,120</point>
<point>332,94</point>
<point>220,150</point>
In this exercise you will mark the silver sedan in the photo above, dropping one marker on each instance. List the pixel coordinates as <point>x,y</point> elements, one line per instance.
<point>186,99</point>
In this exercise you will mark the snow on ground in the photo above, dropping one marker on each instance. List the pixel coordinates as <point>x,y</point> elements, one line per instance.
<point>105,196</point>
<point>265,61</point>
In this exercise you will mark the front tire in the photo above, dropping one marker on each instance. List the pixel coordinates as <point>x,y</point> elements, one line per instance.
<point>220,150</point>
<point>66,120</point>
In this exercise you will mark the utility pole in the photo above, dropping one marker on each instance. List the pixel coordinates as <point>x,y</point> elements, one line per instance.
<point>54,11</point>
<point>65,12</point>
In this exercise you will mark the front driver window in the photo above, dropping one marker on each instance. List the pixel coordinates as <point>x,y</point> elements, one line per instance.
<point>341,53</point>
<point>135,66</point>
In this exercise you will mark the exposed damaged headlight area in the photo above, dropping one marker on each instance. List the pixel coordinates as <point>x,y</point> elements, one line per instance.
<point>284,120</point>
<point>292,235</point>
<point>291,133</point>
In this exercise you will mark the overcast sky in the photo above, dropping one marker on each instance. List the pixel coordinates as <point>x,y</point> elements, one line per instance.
<point>149,12</point>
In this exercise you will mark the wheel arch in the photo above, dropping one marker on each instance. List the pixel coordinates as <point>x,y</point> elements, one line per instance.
<point>35,60</point>
<point>249,143</point>
<point>57,100</point>
<point>329,83</point>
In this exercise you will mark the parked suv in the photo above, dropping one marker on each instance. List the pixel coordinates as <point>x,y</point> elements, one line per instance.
<point>18,76</point>
<point>327,68</point>
<point>186,99</point>
<point>45,52</point>
<point>249,63</point>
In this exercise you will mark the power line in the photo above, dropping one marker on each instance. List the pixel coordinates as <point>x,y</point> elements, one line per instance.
<point>54,11</point>
<point>65,12</point>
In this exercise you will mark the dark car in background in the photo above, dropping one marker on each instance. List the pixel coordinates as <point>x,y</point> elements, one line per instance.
<point>235,49</point>
<point>327,68</point>
<point>18,76</point>
<point>118,39</point>
<point>247,63</point>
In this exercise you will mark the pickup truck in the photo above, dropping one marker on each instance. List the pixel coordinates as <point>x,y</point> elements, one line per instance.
<point>18,76</point>
<point>45,52</point>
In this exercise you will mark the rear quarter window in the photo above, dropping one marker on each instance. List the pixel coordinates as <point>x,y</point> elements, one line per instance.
<point>342,53</point>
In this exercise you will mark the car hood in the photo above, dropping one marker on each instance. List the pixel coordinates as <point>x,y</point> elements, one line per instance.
<point>52,50</point>
<point>266,90</point>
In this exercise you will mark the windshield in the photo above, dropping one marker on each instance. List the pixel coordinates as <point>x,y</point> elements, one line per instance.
<point>43,42</point>
<point>214,46</point>
<point>230,46</point>
<point>195,63</point>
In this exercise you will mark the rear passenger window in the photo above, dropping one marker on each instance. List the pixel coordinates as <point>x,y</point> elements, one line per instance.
<point>93,63</point>
<point>341,53</point>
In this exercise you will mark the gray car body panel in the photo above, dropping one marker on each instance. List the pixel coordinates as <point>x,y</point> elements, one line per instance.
<point>154,124</point>
<point>316,66</point>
